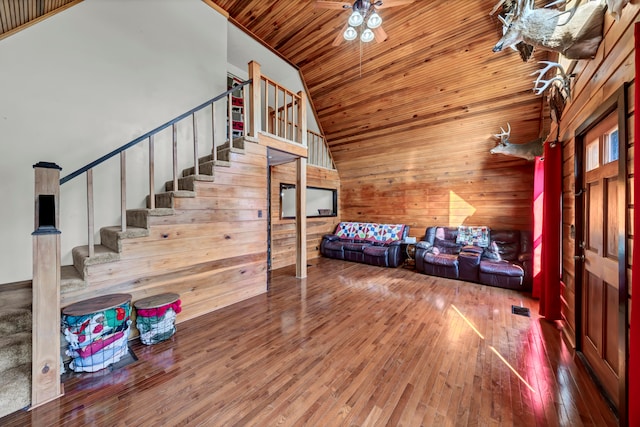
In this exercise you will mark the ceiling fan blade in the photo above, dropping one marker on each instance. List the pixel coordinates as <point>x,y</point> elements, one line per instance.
<point>340,38</point>
<point>332,4</point>
<point>380,34</point>
<point>391,3</point>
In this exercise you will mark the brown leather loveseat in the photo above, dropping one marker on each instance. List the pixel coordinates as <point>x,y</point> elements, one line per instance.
<point>369,243</point>
<point>501,258</point>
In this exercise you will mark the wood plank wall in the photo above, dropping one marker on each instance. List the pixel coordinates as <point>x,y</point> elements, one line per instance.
<point>596,80</point>
<point>283,231</point>
<point>213,251</point>
<point>440,175</point>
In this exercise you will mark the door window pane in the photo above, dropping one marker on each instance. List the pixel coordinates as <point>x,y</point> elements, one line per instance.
<point>610,147</point>
<point>592,160</point>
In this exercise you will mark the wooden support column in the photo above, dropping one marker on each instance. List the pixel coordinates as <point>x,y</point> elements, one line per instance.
<point>46,286</point>
<point>301,218</point>
<point>254,99</point>
<point>302,119</point>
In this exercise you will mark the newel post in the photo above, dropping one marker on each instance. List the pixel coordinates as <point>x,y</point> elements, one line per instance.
<point>254,99</point>
<point>46,286</point>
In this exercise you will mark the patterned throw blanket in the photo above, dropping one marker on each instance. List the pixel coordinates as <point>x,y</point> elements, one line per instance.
<point>473,235</point>
<point>382,233</point>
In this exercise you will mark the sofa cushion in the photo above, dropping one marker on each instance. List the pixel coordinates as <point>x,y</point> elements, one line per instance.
<point>508,242</point>
<point>357,247</point>
<point>441,246</point>
<point>375,250</point>
<point>492,252</point>
<point>446,260</point>
<point>333,245</point>
<point>501,268</point>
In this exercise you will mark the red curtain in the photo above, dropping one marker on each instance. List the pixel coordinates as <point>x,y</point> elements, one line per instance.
<point>634,339</point>
<point>538,200</point>
<point>551,232</point>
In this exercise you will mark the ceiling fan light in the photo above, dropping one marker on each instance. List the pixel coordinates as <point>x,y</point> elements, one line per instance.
<point>374,20</point>
<point>356,19</point>
<point>350,34</point>
<point>367,36</point>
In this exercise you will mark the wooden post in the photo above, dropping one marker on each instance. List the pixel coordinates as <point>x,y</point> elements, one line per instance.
<point>254,102</point>
<point>46,286</point>
<point>302,119</point>
<point>301,217</point>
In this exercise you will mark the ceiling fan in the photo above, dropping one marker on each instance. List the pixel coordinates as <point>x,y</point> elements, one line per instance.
<point>364,16</point>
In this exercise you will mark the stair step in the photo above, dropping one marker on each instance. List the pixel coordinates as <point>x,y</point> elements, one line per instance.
<point>15,389</point>
<point>188,182</point>
<point>165,200</point>
<point>140,217</point>
<point>102,254</point>
<point>15,350</point>
<point>15,320</point>
<point>207,168</point>
<point>112,237</point>
<point>71,279</point>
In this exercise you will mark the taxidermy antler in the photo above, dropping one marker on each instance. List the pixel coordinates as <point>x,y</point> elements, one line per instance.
<point>576,33</point>
<point>559,87</point>
<point>528,151</point>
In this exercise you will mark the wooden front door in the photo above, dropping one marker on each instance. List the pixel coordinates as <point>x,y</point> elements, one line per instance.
<point>600,274</point>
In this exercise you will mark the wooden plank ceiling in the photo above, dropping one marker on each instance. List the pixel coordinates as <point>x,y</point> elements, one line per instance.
<point>436,67</point>
<point>16,14</point>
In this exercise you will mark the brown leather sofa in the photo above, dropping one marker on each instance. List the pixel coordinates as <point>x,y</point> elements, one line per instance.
<point>369,243</point>
<point>505,261</point>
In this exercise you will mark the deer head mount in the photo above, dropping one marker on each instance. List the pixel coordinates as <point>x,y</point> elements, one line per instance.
<point>575,33</point>
<point>558,86</point>
<point>528,151</point>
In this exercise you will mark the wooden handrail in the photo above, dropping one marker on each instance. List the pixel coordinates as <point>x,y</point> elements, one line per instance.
<point>150,133</point>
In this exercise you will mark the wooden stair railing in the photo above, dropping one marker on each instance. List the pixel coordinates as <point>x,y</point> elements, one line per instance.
<point>149,136</point>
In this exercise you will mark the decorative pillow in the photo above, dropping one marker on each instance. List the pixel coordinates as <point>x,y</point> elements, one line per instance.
<point>492,252</point>
<point>477,236</point>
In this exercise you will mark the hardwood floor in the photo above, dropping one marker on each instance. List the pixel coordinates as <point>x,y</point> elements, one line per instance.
<point>350,345</point>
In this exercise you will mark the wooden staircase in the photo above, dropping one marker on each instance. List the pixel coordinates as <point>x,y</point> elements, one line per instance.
<point>15,352</point>
<point>148,257</point>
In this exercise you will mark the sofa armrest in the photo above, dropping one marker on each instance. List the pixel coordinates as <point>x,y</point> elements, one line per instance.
<point>330,237</point>
<point>394,243</point>
<point>423,245</point>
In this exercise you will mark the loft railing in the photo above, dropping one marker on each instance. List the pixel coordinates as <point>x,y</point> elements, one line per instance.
<point>318,151</point>
<point>283,109</point>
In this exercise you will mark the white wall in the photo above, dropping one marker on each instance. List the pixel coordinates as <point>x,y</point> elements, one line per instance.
<point>86,81</point>
<point>242,48</point>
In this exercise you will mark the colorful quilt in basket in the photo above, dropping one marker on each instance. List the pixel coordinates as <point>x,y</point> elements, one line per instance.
<point>382,233</point>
